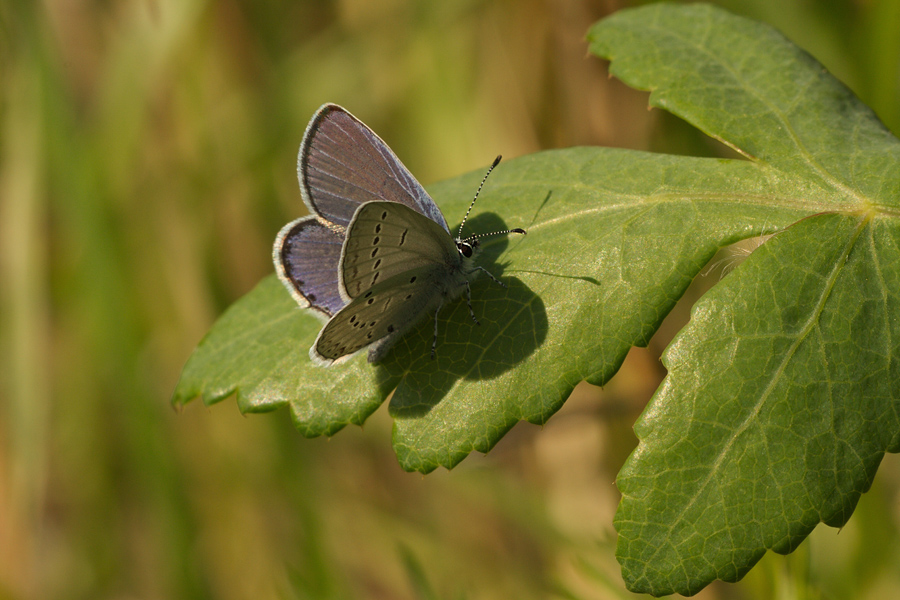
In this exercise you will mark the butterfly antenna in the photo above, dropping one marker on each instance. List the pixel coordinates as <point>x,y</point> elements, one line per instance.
<point>478,191</point>
<point>481,235</point>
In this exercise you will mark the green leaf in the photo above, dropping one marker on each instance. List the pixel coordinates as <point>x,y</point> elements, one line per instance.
<point>782,392</point>
<point>780,400</point>
<point>614,239</point>
<point>749,87</point>
<point>254,349</point>
<point>778,407</point>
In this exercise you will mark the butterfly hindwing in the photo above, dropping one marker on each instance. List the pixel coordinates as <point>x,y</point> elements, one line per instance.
<point>343,164</point>
<point>386,310</point>
<point>386,239</point>
<point>307,257</point>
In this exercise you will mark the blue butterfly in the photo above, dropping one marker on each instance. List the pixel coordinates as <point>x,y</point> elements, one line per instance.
<point>375,254</point>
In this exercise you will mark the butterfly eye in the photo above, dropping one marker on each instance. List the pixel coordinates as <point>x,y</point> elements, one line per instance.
<point>465,249</point>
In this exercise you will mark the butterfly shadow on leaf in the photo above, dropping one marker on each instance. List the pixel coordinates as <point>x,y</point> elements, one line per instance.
<point>513,324</point>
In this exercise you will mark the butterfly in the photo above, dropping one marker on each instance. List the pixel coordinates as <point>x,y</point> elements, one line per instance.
<point>375,254</point>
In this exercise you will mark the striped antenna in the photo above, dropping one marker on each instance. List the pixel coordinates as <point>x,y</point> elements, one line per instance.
<point>481,235</point>
<point>478,191</point>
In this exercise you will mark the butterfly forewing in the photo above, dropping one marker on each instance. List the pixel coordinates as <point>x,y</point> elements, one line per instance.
<point>343,164</point>
<point>382,311</point>
<point>307,258</point>
<point>386,239</point>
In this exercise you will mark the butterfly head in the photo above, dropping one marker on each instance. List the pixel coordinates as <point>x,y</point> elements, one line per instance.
<point>467,248</point>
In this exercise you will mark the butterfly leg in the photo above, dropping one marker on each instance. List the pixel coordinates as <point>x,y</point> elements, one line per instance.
<point>469,302</point>
<point>489,275</point>
<point>434,341</point>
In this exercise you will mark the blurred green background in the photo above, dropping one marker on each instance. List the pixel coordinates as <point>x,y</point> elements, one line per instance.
<point>147,159</point>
